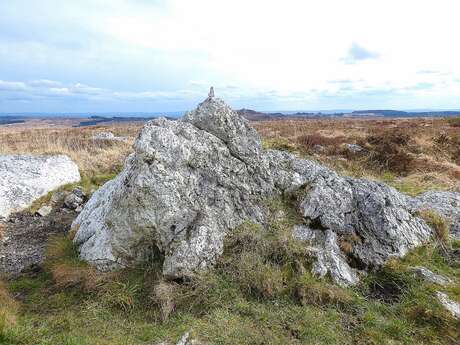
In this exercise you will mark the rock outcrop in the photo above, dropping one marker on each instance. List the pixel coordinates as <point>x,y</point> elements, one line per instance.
<point>25,178</point>
<point>190,182</point>
<point>372,218</point>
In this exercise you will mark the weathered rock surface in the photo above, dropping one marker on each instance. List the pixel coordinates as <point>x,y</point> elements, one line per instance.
<point>329,257</point>
<point>446,204</point>
<point>180,192</point>
<point>44,210</point>
<point>429,276</point>
<point>451,306</point>
<point>75,199</point>
<point>189,182</point>
<point>373,217</point>
<point>26,178</point>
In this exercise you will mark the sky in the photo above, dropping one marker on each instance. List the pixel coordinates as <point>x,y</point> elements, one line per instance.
<point>163,55</point>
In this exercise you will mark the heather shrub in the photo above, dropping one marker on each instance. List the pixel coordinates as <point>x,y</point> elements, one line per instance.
<point>390,152</point>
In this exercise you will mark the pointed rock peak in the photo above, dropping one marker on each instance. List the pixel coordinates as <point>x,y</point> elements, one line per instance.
<point>216,117</point>
<point>211,92</point>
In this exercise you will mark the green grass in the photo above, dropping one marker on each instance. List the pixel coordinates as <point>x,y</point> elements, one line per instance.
<point>93,182</point>
<point>281,144</point>
<point>454,121</point>
<point>260,292</point>
<point>46,198</point>
<point>408,188</point>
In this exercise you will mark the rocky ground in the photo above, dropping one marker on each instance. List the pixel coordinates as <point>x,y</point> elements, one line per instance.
<point>23,237</point>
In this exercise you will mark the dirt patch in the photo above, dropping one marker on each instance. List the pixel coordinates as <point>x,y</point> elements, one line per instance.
<point>388,286</point>
<point>23,238</point>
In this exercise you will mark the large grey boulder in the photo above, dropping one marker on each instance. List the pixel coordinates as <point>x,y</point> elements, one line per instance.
<point>190,182</point>
<point>25,178</point>
<point>371,216</point>
<point>180,192</point>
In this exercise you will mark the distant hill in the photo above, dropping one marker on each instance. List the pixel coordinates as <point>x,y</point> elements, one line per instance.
<point>96,120</point>
<point>7,120</point>
<point>400,113</point>
<point>253,115</point>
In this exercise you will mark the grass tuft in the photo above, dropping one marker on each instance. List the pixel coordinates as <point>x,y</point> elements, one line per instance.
<point>437,223</point>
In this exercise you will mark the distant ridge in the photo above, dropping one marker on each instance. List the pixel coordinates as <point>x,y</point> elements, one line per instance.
<point>88,119</point>
<point>400,113</point>
<point>254,115</point>
<point>8,120</point>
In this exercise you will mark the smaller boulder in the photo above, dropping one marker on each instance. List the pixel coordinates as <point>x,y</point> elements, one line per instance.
<point>75,199</point>
<point>107,136</point>
<point>44,210</point>
<point>451,306</point>
<point>329,258</point>
<point>429,276</point>
<point>355,148</point>
<point>26,178</point>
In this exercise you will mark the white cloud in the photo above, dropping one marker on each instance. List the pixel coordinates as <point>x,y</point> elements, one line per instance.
<point>358,53</point>
<point>12,86</point>
<point>280,54</point>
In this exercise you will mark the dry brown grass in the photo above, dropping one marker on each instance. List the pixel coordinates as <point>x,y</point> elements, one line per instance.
<point>437,223</point>
<point>2,231</point>
<point>8,308</point>
<point>414,155</point>
<point>165,295</point>
<point>310,291</point>
<point>91,156</point>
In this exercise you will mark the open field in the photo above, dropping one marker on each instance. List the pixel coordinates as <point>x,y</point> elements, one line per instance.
<point>414,155</point>
<point>92,157</point>
<point>261,291</point>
